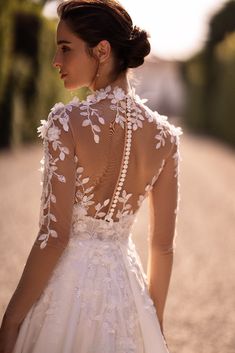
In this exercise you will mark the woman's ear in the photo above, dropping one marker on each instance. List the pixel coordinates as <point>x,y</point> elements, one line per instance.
<point>102,51</point>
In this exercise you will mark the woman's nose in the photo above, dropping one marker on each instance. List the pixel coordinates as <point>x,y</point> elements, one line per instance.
<point>56,62</point>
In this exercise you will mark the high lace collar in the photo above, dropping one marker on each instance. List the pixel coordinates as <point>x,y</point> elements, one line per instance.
<point>115,93</point>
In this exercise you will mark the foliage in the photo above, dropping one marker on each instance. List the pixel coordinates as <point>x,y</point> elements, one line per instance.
<point>5,42</point>
<point>210,79</point>
<point>223,107</point>
<point>29,86</point>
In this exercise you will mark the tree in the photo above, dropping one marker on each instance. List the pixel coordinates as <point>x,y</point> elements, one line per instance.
<point>221,24</point>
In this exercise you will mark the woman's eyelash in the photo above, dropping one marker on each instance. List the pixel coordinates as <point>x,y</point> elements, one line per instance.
<point>64,49</point>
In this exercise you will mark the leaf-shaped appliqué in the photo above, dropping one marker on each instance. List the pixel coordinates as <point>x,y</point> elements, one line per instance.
<point>96,138</point>
<point>52,217</point>
<point>42,237</point>
<point>86,122</point>
<point>62,155</point>
<point>61,178</point>
<point>53,233</point>
<point>96,128</point>
<point>43,244</point>
<point>85,180</point>
<point>98,206</point>
<point>106,202</point>
<point>101,214</point>
<point>87,191</point>
<point>53,198</point>
<point>101,120</point>
<point>51,132</point>
<point>80,170</point>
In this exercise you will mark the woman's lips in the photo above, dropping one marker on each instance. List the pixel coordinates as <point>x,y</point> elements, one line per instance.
<point>63,76</point>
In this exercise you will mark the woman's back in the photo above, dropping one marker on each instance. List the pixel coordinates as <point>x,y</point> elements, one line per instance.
<point>115,163</point>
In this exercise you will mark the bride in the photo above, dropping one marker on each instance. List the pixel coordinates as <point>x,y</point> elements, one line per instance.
<point>83,288</point>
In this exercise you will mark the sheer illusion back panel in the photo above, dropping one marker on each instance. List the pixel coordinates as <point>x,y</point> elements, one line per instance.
<point>102,161</point>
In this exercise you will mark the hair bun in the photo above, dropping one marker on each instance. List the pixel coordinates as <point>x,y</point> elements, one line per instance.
<point>139,47</point>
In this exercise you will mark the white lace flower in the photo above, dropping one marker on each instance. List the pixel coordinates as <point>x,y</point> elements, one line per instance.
<point>53,133</point>
<point>79,226</point>
<point>163,119</point>
<point>117,95</point>
<point>74,102</point>
<point>142,101</point>
<point>79,211</point>
<point>42,129</point>
<point>64,119</point>
<point>102,94</point>
<point>120,119</point>
<point>175,133</point>
<point>91,98</point>
<point>57,107</point>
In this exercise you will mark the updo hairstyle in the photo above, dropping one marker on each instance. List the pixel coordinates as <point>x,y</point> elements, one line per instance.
<point>96,20</point>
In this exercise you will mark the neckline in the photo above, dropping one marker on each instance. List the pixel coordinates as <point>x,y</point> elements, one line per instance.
<point>115,92</point>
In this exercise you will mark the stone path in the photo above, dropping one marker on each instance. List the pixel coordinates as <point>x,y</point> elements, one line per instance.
<point>200,309</point>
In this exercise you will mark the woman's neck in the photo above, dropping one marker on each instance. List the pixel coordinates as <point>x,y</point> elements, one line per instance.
<point>121,81</point>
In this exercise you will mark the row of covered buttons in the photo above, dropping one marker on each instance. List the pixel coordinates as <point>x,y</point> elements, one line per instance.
<point>125,162</point>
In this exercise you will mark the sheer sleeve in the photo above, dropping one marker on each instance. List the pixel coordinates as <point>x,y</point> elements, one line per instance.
<point>163,207</point>
<point>57,201</point>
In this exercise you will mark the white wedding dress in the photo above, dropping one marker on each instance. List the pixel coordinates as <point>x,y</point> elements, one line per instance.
<point>99,165</point>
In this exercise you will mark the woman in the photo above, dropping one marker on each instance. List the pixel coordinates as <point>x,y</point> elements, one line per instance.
<point>83,288</point>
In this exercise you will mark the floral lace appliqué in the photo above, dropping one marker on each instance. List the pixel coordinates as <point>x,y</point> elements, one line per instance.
<point>50,132</point>
<point>58,121</point>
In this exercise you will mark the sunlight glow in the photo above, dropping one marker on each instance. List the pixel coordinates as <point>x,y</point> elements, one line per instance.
<point>177,28</point>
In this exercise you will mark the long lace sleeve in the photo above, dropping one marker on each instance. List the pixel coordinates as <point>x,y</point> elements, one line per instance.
<point>163,207</point>
<point>57,201</point>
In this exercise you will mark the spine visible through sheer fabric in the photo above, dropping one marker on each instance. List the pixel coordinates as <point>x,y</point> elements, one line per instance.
<point>124,163</point>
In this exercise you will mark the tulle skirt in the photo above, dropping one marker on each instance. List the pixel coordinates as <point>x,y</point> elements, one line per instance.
<point>96,301</point>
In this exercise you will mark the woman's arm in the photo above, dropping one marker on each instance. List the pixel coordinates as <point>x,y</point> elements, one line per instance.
<point>163,205</point>
<point>55,219</point>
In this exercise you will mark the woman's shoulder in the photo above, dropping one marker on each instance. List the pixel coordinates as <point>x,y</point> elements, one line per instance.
<point>165,130</point>
<point>62,111</point>
<point>58,119</point>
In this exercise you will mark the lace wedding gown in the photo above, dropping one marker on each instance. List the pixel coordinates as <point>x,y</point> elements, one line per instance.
<point>90,292</point>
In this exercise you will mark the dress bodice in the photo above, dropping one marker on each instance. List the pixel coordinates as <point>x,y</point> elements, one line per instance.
<point>102,157</point>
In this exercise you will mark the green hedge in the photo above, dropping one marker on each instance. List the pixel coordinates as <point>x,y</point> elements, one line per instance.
<point>210,80</point>
<point>5,43</point>
<point>223,108</point>
<point>29,86</point>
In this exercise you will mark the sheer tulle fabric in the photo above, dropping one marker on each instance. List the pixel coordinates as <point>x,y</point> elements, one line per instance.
<point>96,300</point>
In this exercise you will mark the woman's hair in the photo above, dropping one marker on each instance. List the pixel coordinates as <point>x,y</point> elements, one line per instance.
<point>96,20</point>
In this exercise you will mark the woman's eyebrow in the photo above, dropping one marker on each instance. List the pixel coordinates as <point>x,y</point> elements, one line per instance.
<point>63,42</point>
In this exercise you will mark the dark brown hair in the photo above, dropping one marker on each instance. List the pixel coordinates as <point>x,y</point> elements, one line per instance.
<point>96,20</point>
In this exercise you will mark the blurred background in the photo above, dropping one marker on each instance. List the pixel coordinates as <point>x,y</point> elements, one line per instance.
<point>190,77</point>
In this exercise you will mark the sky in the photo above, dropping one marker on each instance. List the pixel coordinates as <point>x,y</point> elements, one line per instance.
<point>177,28</point>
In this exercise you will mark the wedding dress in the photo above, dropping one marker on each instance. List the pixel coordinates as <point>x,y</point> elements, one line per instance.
<point>102,157</point>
